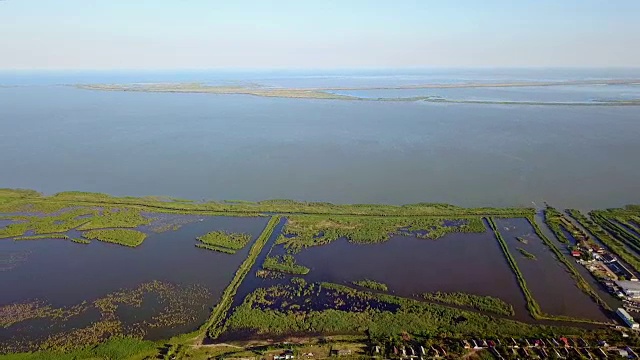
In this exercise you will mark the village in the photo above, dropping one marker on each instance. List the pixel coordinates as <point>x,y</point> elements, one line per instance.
<point>506,348</point>
<point>612,275</point>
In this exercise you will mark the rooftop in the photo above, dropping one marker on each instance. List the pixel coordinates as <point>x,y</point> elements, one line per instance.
<point>629,285</point>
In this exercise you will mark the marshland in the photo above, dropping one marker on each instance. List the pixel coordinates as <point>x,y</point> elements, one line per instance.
<point>137,272</point>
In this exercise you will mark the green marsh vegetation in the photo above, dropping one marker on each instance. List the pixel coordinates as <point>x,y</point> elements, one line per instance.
<point>618,222</point>
<point>216,324</point>
<point>57,224</point>
<point>115,218</point>
<point>371,284</point>
<point>268,274</point>
<point>81,241</point>
<point>223,241</point>
<point>286,263</point>
<point>126,237</point>
<point>478,302</point>
<point>45,236</point>
<point>275,311</point>
<point>179,305</point>
<point>304,231</point>
<point>553,219</point>
<point>216,248</point>
<point>12,201</point>
<point>119,347</point>
<point>526,254</point>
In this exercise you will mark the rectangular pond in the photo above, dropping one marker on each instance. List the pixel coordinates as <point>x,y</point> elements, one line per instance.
<point>548,280</point>
<point>470,262</point>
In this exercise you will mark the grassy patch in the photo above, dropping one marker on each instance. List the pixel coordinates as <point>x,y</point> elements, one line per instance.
<point>124,237</point>
<point>527,254</point>
<point>335,309</point>
<point>39,237</point>
<point>285,263</point>
<point>80,241</point>
<point>215,325</point>
<point>126,348</point>
<point>223,241</point>
<point>371,284</point>
<point>305,231</point>
<point>216,248</point>
<point>115,218</point>
<point>478,302</point>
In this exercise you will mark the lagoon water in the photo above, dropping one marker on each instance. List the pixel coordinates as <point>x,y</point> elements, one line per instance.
<point>56,137</point>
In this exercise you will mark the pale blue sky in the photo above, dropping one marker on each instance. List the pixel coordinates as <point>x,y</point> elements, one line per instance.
<point>164,34</point>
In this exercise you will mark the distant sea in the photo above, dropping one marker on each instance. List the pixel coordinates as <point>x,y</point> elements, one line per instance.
<point>55,137</point>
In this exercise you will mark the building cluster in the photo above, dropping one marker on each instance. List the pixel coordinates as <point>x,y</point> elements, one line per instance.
<point>613,275</point>
<point>542,348</point>
<point>550,348</point>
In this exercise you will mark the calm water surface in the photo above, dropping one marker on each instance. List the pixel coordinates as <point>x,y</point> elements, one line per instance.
<point>409,266</point>
<point>63,273</point>
<point>547,278</point>
<point>197,146</point>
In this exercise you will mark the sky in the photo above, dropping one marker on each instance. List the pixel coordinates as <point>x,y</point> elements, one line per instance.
<point>306,34</point>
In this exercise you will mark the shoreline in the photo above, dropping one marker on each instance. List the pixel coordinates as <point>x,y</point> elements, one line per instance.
<point>325,93</point>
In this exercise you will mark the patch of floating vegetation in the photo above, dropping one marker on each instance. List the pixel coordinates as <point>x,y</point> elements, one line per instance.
<point>223,241</point>
<point>80,241</point>
<point>286,264</point>
<point>115,218</point>
<point>45,236</point>
<point>178,305</point>
<point>371,284</point>
<point>526,254</point>
<point>268,274</point>
<point>12,259</point>
<point>14,313</point>
<point>124,237</point>
<point>478,302</point>
<point>166,227</point>
<point>304,230</point>
<point>326,308</point>
<point>168,222</point>
<point>217,248</point>
<point>523,240</point>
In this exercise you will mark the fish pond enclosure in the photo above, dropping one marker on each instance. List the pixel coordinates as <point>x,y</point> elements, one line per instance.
<point>285,268</point>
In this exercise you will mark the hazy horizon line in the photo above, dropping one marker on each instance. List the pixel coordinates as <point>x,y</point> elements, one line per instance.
<point>268,69</point>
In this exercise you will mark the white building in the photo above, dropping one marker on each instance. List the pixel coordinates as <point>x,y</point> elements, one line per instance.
<point>628,319</point>
<point>630,288</point>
